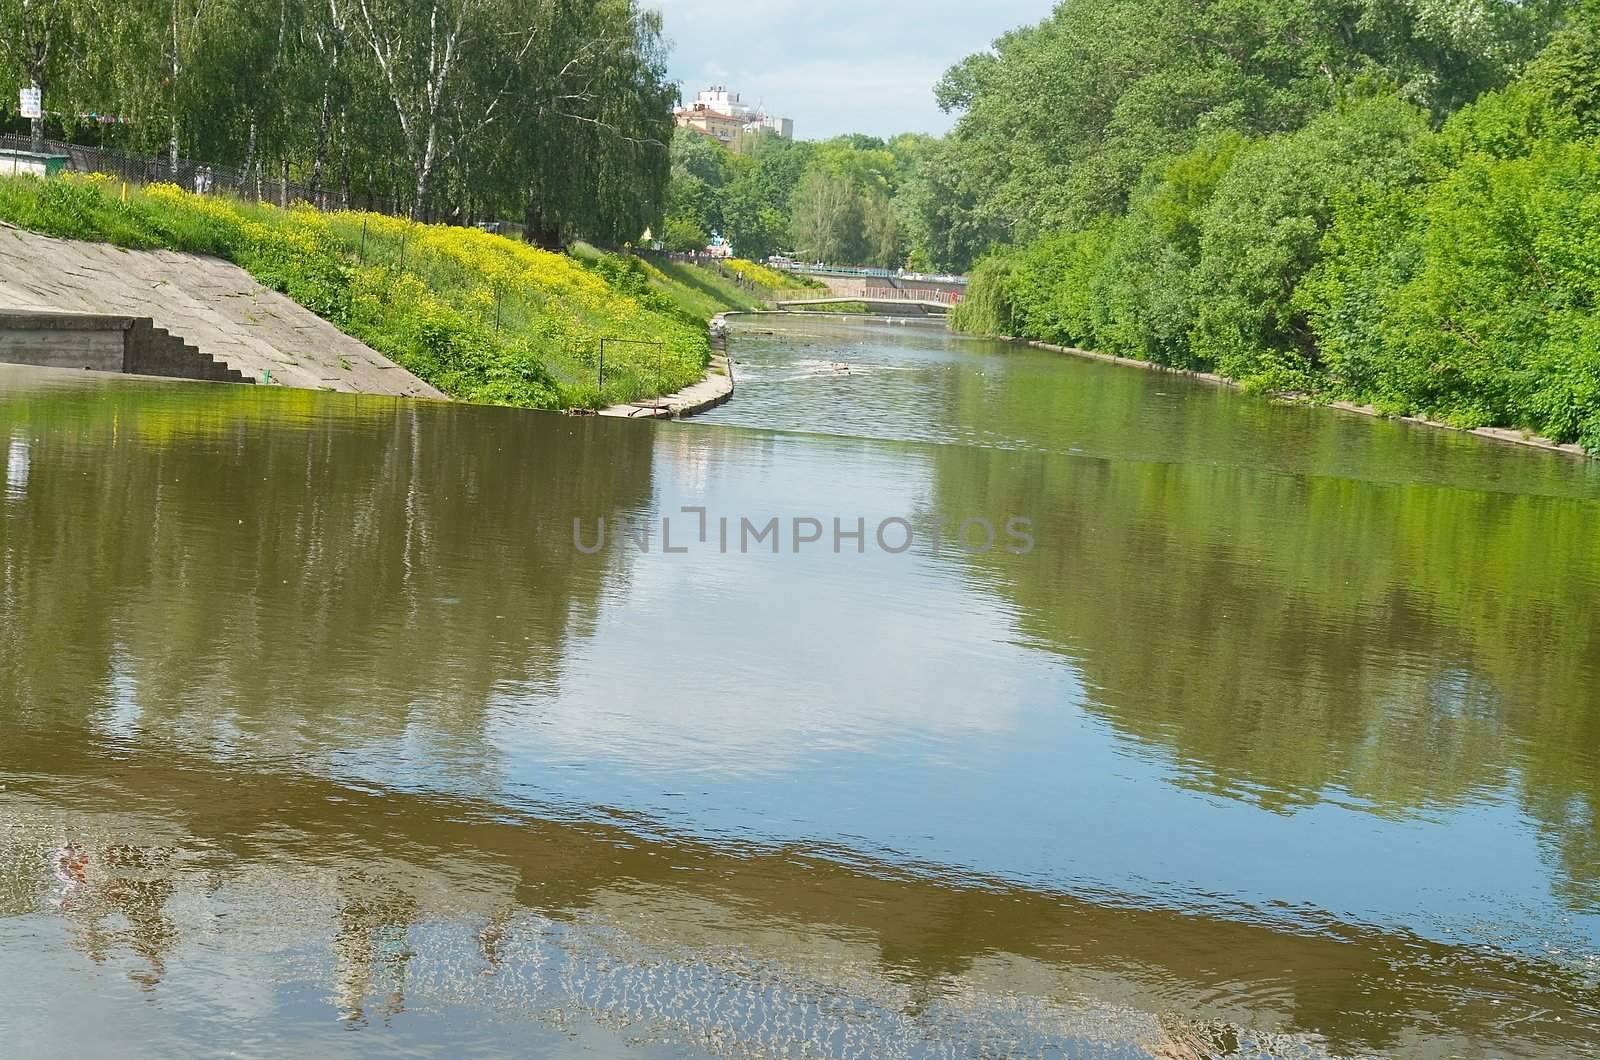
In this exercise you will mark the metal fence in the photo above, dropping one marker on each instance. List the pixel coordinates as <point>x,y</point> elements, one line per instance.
<point>864,271</point>
<point>910,294</point>
<point>704,261</point>
<point>251,185</point>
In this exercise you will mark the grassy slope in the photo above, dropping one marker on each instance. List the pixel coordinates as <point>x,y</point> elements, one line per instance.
<point>834,307</point>
<point>694,290</point>
<point>772,279</point>
<point>482,317</point>
<point>703,287</point>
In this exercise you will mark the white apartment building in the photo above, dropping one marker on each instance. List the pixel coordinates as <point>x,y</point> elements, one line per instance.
<point>715,109</point>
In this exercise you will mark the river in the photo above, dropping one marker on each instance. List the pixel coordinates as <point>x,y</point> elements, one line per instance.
<point>1109,714</point>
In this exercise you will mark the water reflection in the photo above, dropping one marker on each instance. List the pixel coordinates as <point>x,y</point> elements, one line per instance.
<point>1295,606</point>
<point>919,383</point>
<point>115,897</point>
<point>1295,638</point>
<point>341,574</point>
<point>313,712</point>
<point>423,897</point>
<point>17,468</point>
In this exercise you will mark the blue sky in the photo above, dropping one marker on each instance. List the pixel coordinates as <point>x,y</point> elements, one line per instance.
<point>836,66</point>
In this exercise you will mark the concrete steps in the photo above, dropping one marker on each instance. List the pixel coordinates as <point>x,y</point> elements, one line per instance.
<point>156,351</point>
<point>216,307</point>
<point>106,343</point>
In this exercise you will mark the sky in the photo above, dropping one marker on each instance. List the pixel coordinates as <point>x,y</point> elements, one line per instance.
<point>836,66</point>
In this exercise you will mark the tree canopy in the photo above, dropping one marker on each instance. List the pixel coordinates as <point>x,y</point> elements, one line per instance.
<point>838,200</point>
<point>1389,203</point>
<point>557,111</point>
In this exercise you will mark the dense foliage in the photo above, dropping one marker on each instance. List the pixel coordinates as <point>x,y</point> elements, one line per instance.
<point>556,114</point>
<point>1402,208</point>
<point>481,317</point>
<point>836,201</point>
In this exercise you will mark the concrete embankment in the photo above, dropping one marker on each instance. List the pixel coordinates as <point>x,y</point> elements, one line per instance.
<point>208,305</point>
<point>131,345</point>
<point>715,387</point>
<point>1498,434</point>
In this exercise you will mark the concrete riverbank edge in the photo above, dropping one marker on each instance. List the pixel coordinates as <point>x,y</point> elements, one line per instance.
<point>715,387</point>
<point>1497,434</point>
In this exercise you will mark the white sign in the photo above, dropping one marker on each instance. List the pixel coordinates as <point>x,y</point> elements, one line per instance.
<point>31,102</point>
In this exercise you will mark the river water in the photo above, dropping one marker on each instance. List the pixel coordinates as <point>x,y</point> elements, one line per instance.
<point>332,725</point>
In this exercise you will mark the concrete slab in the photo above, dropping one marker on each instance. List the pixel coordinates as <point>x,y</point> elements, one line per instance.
<point>216,307</point>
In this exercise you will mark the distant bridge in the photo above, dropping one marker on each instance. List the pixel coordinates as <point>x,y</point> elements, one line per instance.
<point>855,291</point>
<point>895,277</point>
<point>927,301</point>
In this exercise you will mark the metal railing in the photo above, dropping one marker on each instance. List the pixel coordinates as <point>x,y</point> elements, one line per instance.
<point>253,184</point>
<point>862,270</point>
<point>910,294</point>
<point>866,294</point>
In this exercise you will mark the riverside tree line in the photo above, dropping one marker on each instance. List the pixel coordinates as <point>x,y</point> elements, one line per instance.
<point>1394,202</point>
<point>1387,201</point>
<point>555,112</point>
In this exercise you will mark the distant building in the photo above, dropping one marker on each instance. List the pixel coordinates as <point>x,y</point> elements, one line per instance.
<point>719,99</point>
<point>723,116</point>
<point>721,127</point>
<point>783,127</point>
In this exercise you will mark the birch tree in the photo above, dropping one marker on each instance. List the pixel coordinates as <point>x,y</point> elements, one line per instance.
<point>34,34</point>
<point>826,222</point>
<point>418,50</point>
<point>188,24</point>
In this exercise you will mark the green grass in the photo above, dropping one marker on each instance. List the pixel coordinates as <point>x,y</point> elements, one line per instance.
<point>696,291</point>
<point>770,280</point>
<point>833,307</point>
<point>702,286</point>
<point>483,318</point>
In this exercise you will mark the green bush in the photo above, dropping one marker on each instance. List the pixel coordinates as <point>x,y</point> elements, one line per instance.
<point>1473,300</point>
<point>1261,231</point>
<point>987,307</point>
<point>1454,275</point>
<point>1145,302</point>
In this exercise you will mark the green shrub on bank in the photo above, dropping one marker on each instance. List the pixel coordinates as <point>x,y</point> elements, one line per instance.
<point>1452,274</point>
<point>1475,300</point>
<point>481,317</point>
<point>987,307</point>
<point>1261,230</point>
